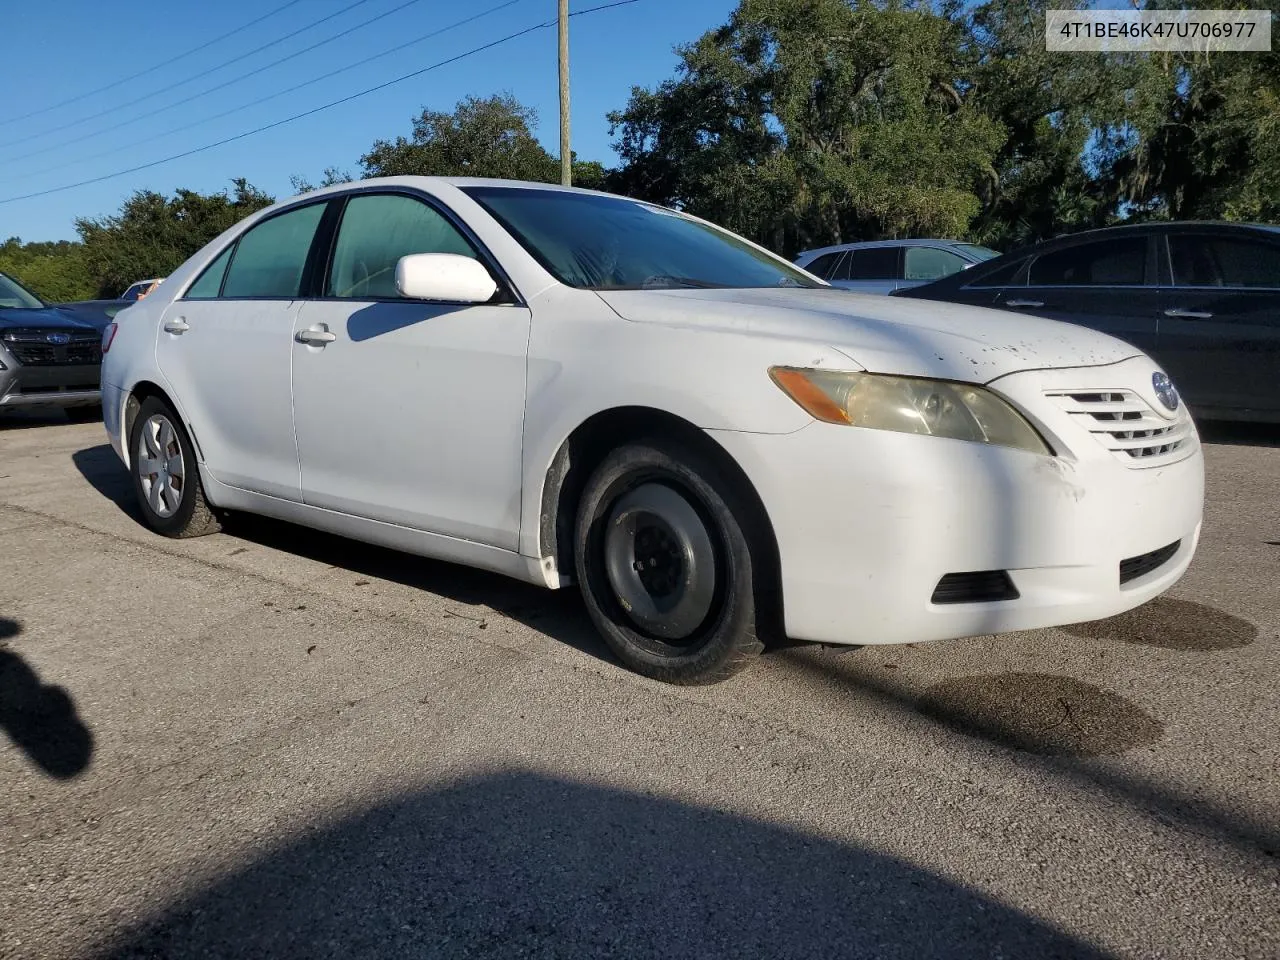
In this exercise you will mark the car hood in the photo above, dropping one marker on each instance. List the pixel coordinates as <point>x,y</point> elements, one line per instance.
<point>51,318</point>
<point>883,334</point>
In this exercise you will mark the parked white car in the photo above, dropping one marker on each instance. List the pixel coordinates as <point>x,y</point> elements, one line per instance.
<point>566,386</point>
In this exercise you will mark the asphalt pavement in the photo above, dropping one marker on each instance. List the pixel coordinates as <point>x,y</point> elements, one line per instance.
<point>276,743</point>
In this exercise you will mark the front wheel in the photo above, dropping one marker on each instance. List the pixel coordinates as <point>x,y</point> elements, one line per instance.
<point>165,476</point>
<point>666,567</point>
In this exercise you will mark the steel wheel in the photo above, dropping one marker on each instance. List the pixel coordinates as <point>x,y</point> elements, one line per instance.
<point>660,561</point>
<point>160,465</point>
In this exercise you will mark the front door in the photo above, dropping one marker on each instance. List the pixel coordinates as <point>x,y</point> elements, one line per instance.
<point>225,346</point>
<point>1220,322</point>
<point>1107,284</point>
<point>413,413</point>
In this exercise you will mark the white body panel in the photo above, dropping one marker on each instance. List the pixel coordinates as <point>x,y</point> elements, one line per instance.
<point>432,429</point>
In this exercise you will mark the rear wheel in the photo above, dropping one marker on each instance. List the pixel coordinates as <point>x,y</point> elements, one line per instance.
<point>667,559</point>
<point>165,476</point>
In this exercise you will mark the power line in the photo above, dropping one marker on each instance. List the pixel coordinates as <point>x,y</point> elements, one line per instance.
<point>147,96</point>
<point>274,96</point>
<point>307,113</point>
<point>204,93</point>
<point>152,69</point>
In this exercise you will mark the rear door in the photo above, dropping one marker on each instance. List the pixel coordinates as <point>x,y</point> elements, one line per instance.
<point>226,346</point>
<point>1108,284</point>
<point>1220,320</point>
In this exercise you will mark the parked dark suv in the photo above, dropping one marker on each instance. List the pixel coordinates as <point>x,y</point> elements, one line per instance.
<point>48,357</point>
<point>1203,299</point>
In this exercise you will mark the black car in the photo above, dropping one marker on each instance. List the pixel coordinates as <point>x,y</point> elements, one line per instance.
<point>1202,299</point>
<point>48,356</point>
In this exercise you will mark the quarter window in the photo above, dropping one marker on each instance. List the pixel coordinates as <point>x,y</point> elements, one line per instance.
<point>209,283</point>
<point>376,231</point>
<point>270,259</point>
<point>1120,262</point>
<point>876,263</point>
<point>930,263</point>
<point>1206,261</point>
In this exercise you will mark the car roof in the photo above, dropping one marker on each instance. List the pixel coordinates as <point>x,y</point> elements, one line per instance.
<point>872,244</point>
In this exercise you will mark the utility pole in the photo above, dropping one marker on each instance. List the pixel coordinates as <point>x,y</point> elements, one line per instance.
<point>566,155</point>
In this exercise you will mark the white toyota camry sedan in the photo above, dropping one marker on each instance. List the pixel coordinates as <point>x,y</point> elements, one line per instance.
<point>571,387</point>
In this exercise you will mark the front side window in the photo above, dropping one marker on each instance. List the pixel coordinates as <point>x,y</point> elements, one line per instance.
<point>376,231</point>
<point>1215,261</point>
<point>599,242</point>
<point>1118,262</point>
<point>209,283</point>
<point>979,252</point>
<point>931,263</point>
<point>14,296</point>
<point>1000,276</point>
<point>270,258</point>
<point>875,263</point>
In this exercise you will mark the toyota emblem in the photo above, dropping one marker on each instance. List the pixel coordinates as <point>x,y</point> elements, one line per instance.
<point>1165,390</point>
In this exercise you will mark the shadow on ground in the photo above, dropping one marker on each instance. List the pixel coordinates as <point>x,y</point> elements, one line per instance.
<point>1248,434</point>
<point>40,719</point>
<point>522,865</point>
<point>1172,625</point>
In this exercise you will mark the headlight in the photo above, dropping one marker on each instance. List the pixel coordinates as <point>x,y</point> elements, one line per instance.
<point>936,408</point>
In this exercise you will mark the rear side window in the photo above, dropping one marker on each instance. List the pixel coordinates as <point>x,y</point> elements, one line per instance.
<point>376,231</point>
<point>209,283</point>
<point>822,266</point>
<point>1104,263</point>
<point>269,260</point>
<point>877,263</point>
<point>1209,261</point>
<point>930,263</point>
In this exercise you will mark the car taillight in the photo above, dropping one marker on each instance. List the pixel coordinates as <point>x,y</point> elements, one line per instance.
<point>108,335</point>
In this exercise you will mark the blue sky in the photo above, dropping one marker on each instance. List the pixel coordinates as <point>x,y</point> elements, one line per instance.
<point>74,46</point>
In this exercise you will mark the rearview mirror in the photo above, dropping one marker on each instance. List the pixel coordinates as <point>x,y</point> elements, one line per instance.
<point>444,276</point>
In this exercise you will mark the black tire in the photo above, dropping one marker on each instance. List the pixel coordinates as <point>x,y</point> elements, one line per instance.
<point>84,414</point>
<point>664,503</point>
<point>191,516</point>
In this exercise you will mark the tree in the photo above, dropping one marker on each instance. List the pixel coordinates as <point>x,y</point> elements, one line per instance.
<point>804,122</point>
<point>153,234</point>
<point>483,137</point>
<point>54,270</point>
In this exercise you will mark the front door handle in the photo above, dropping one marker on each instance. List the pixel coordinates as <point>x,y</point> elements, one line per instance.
<point>176,325</point>
<point>1188,314</point>
<point>316,336</point>
<point>1024,303</point>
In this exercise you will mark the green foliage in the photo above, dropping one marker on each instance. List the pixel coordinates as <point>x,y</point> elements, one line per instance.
<point>153,234</point>
<point>483,137</point>
<point>55,271</point>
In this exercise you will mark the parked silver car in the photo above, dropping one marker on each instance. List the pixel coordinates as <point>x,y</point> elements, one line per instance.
<point>882,266</point>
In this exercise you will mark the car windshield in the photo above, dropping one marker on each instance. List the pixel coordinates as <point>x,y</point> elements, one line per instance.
<point>979,253</point>
<point>599,242</point>
<point>14,296</point>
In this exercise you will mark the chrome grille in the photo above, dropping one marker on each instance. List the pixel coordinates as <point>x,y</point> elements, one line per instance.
<point>32,348</point>
<point>1126,425</point>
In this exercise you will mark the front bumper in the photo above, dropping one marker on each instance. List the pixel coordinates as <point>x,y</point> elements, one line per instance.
<point>868,522</point>
<point>52,386</point>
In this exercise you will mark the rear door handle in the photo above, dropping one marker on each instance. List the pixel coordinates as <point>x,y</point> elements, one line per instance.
<point>176,325</point>
<point>1024,303</point>
<point>1188,314</point>
<point>316,336</point>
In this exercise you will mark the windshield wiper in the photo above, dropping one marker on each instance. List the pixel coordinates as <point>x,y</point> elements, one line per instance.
<point>664,281</point>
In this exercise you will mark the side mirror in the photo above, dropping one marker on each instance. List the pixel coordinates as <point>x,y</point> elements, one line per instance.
<point>444,276</point>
